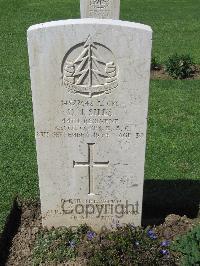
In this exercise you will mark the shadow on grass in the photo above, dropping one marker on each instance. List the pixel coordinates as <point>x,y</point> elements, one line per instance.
<point>164,197</point>
<point>10,229</point>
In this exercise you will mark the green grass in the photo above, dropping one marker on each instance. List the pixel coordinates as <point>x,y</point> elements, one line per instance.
<point>173,136</point>
<point>188,246</point>
<point>175,24</point>
<point>173,130</point>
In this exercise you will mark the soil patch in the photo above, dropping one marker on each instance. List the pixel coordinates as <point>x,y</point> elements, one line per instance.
<point>161,74</point>
<point>23,242</point>
<point>175,226</point>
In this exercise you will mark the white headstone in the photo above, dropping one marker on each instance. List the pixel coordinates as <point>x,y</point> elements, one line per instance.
<point>107,9</point>
<point>90,87</point>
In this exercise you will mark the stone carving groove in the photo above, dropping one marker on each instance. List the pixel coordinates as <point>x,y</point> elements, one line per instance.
<point>90,164</point>
<point>99,4</point>
<point>89,69</point>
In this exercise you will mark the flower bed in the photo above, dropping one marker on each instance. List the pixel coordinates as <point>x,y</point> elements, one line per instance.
<point>33,245</point>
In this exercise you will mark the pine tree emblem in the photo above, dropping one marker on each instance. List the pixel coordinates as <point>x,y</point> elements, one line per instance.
<point>89,73</point>
<point>100,3</point>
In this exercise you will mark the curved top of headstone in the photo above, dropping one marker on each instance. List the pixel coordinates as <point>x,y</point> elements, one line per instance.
<point>90,21</point>
<point>100,9</point>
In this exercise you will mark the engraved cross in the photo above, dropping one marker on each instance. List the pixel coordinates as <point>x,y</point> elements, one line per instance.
<point>90,164</point>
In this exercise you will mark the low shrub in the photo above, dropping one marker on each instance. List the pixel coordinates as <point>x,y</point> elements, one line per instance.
<point>127,245</point>
<point>180,66</point>
<point>155,65</point>
<point>188,246</point>
<point>57,245</point>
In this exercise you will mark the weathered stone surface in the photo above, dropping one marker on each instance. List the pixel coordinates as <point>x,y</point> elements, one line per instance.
<point>90,86</point>
<point>106,9</point>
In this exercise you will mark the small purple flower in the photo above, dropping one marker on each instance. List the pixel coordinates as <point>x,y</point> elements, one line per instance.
<point>72,244</point>
<point>165,243</point>
<point>164,252</point>
<point>153,237</point>
<point>151,234</point>
<point>90,235</point>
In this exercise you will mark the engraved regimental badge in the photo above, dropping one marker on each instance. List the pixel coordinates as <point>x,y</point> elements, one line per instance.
<point>99,4</point>
<point>89,69</point>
